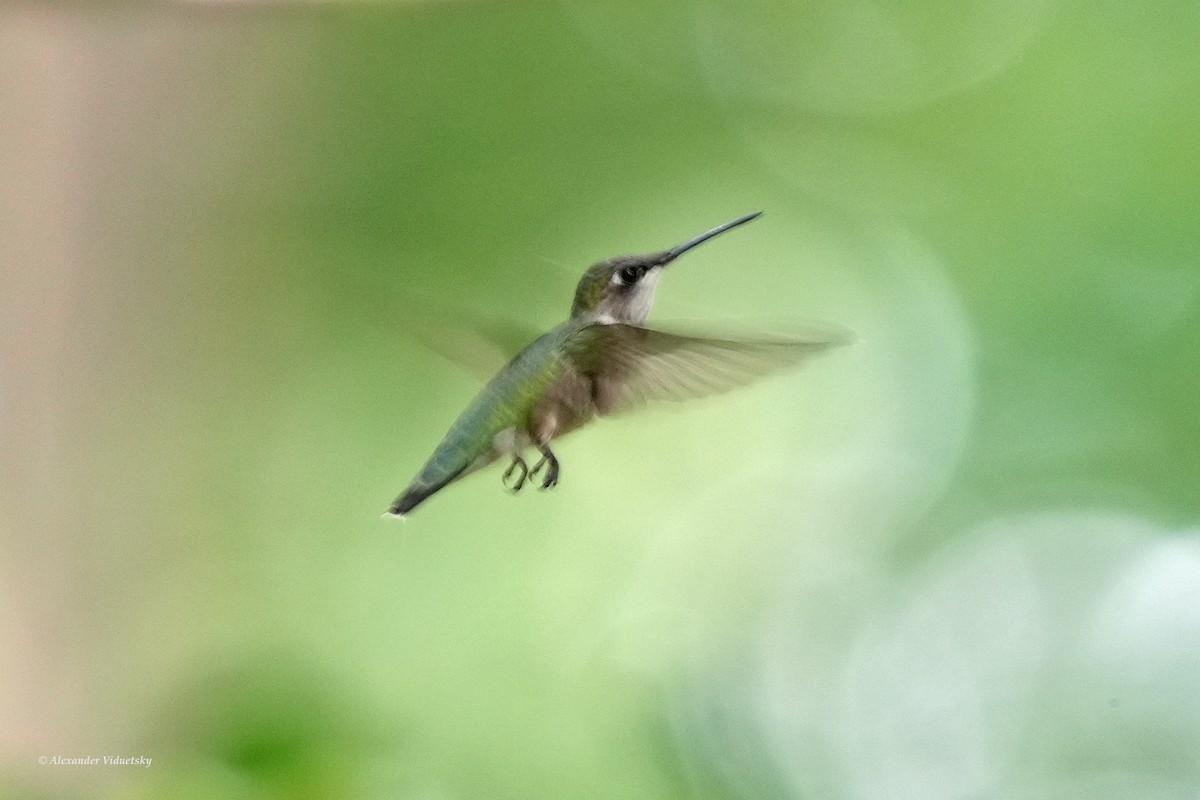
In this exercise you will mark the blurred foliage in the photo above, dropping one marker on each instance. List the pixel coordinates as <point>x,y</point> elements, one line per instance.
<point>956,560</point>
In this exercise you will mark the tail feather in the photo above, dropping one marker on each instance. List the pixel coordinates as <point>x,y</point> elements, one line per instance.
<point>417,493</point>
<point>412,497</point>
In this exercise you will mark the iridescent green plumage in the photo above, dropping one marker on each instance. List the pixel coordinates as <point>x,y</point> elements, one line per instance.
<point>506,402</point>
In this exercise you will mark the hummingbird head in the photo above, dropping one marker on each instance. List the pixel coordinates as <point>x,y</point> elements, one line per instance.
<point>621,289</point>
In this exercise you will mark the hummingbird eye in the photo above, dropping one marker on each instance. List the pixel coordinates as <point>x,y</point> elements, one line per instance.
<point>631,275</point>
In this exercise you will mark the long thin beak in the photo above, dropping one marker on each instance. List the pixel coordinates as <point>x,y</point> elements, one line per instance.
<point>676,252</point>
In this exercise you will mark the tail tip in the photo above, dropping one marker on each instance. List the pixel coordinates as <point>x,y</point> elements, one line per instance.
<point>402,505</point>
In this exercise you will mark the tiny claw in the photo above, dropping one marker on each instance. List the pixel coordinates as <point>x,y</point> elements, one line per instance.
<point>551,479</point>
<point>520,482</point>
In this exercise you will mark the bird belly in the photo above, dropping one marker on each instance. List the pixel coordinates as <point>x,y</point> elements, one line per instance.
<point>566,405</point>
<point>509,441</point>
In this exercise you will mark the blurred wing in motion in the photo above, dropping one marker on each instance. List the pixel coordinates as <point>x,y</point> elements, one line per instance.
<point>479,344</point>
<point>632,366</point>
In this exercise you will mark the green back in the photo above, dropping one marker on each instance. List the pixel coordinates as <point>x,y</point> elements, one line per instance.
<point>506,401</point>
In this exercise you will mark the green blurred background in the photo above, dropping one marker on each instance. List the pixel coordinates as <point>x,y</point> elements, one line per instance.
<point>956,560</point>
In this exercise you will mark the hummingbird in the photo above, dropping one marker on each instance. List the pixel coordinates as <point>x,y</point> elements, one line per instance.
<point>601,361</point>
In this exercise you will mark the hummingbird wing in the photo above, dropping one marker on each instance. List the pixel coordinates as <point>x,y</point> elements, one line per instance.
<point>479,344</point>
<point>631,366</point>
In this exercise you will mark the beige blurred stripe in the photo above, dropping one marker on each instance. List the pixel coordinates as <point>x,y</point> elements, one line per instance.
<point>43,79</point>
<point>119,130</point>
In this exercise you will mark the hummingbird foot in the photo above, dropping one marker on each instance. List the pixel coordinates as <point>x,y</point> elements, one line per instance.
<point>551,479</point>
<point>520,481</point>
